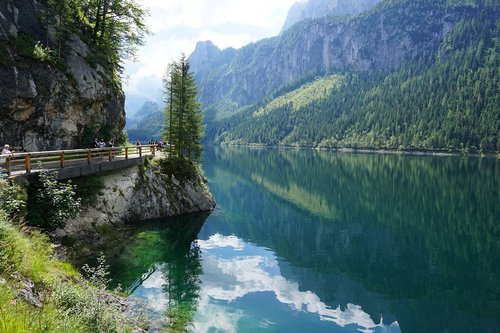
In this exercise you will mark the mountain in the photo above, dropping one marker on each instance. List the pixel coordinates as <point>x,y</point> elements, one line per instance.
<point>146,123</point>
<point>408,75</point>
<point>133,103</point>
<point>147,109</point>
<point>48,100</point>
<point>311,9</point>
<point>385,39</point>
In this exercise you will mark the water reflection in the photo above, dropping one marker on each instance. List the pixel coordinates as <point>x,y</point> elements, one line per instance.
<point>421,231</point>
<point>160,265</point>
<point>324,242</point>
<point>235,270</point>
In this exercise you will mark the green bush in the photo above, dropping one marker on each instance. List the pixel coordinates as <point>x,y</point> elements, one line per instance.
<point>123,138</point>
<point>5,59</point>
<point>180,167</point>
<point>12,197</point>
<point>50,203</point>
<point>88,189</point>
<point>24,44</point>
<point>43,53</point>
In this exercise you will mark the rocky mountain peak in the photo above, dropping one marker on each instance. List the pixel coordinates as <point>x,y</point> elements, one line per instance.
<point>204,53</point>
<point>312,9</point>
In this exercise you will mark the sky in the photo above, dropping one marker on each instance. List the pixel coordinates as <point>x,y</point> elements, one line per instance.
<point>177,25</point>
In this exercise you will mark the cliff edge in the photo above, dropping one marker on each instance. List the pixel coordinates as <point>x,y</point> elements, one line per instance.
<point>137,194</point>
<point>55,97</point>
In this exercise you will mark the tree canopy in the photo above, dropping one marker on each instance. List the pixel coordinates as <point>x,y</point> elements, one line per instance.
<point>112,28</point>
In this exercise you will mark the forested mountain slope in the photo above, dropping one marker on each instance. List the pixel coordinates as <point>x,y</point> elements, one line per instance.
<point>429,79</point>
<point>146,123</point>
<point>385,38</point>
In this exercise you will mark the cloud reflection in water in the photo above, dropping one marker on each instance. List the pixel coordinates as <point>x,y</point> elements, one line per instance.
<point>234,269</point>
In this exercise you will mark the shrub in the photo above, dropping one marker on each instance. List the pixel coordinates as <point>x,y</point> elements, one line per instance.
<point>24,44</point>
<point>180,167</point>
<point>88,189</point>
<point>90,303</point>
<point>123,138</point>
<point>43,53</point>
<point>12,197</point>
<point>50,203</point>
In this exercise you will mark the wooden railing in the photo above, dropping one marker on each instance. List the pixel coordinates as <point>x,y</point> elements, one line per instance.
<point>21,163</point>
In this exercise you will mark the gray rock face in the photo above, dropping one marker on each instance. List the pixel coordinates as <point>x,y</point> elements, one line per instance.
<point>379,40</point>
<point>41,105</point>
<point>318,8</point>
<point>204,53</point>
<point>133,195</point>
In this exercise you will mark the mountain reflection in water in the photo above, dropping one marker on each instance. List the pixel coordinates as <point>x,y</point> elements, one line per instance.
<point>306,241</point>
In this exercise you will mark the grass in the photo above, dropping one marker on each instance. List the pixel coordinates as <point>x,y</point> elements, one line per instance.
<point>5,59</point>
<point>17,316</point>
<point>303,96</point>
<point>70,302</point>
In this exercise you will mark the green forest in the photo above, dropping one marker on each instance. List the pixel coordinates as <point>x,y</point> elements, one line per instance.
<point>448,100</point>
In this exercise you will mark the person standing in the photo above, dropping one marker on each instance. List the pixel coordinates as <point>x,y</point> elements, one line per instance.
<point>5,151</point>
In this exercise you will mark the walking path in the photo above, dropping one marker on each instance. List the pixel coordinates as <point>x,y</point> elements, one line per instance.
<point>75,162</point>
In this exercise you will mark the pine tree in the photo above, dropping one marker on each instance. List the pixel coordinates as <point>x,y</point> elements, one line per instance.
<point>183,115</point>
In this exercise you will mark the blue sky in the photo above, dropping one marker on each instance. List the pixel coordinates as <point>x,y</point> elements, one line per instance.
<point>177,25</point>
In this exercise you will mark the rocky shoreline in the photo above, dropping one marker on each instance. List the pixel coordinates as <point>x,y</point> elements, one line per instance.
<point>130,196</point>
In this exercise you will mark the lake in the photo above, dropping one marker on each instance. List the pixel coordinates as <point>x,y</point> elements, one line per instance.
<point>306,241</point>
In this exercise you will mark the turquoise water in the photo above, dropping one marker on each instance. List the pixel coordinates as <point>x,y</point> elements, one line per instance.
<point>305,241</point>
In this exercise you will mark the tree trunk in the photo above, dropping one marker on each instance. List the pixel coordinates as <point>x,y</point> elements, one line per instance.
<point>97,26</point>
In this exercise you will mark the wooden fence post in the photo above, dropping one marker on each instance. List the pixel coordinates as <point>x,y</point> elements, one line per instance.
<point>110,154</point>
<point>153,150</point>
<point>27,163</point>
<point>88,156</point>
<point>126,153</point>
<point>140,151</point>
<point>62,159</point>
<point>9,165</point>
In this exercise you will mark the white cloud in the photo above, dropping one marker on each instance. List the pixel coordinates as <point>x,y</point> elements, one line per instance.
<point>223,40</point>
<point>216,316</point>
<point>151,291</point>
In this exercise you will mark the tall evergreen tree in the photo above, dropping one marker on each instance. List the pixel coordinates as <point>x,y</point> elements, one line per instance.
<point>183,116</point>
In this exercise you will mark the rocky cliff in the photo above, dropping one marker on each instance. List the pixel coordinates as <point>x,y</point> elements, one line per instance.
<point>396,33</point>
<point>406,75</point>
<point>318,8</point>
<point>137,194</point>
<point>49,101</point>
